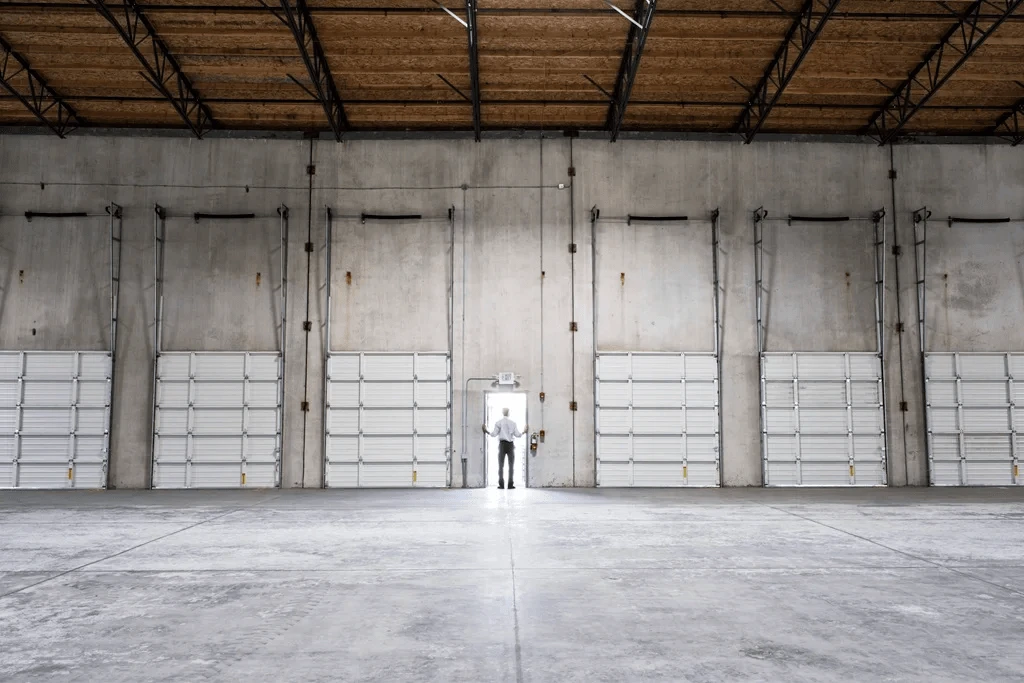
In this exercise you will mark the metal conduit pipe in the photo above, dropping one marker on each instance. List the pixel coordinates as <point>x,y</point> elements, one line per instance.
<point>465,401</point>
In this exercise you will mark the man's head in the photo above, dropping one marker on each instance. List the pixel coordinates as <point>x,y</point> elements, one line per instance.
<point>504,411</point>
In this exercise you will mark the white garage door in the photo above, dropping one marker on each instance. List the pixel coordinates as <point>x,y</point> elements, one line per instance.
<point>54,419</point>
<point>972,418</point>
<point>388,419</point>
<point>822,419</point>
<point>657,419</point>
<point>218,420</point>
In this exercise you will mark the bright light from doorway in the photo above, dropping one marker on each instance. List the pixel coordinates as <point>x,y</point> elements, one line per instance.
<point>495,401</point>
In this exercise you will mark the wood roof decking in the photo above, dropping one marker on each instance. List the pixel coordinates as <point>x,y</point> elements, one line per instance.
<point>404,65</point>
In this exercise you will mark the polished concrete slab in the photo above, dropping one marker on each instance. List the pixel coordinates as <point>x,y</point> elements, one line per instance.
<point>527,586</point>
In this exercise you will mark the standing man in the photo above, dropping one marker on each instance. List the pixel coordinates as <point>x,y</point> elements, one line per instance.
<point>506,430</point>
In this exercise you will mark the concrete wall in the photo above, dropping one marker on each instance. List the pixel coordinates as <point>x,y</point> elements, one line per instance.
<point>516,286</point>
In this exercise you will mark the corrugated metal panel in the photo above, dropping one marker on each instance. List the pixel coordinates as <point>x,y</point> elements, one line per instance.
<point>658,448</point>
<point>91,421</point>
<point>865,366</point>
<point>778,367</point>
<point>827,366</point>
<point>657,474</point>
<point>216,476</point>
<point>665,367</point>
<point>701,449</point>
<point>9,393</point>
<point>45,449</point>
<point>10,366</point>
<point>940,365</point>
<point>613,420</point>
<point>387,421</point>
<point>944,420</point>
<point>218,366</point>
<point>657,420</point>
<point>93,394</point>
<point>780,421</point>
<point>387,394</point>
<point>613,394</point>
<point>941,393</point>
<point>388,449</point>
<point>49,394</point>
<point>613,448</point>
<point>823,394</point>
<point>8,420</point>
<point>976,393</point>
<point>824,474</point>
<point>701,368</point>
<point>612,366</point>
<point>779,394</point>
<point>657,394</point>
<point>946,473</point>
<point>405,417</point>
<point>94,366</point>
<point>867,421</point>
<point>825,448</point>
<point>982,366</point>
<point>89,475</point>
<point>701,394</point>
<point>234,420</point>
<point>45,421</point>
<point>988,447</point>
<point>823,420</point>
<point>781,473</point>
<point>986,419</point>
<point>991,473</point>
<point>1017,365</point>
<point>432,367</point>
<point>701,421</point>
<point>33,475</point>
<point>945,447</point>
<point>865,393</point>
<point>387,367</point>
<point>46,365</point>
<point>615,474</point>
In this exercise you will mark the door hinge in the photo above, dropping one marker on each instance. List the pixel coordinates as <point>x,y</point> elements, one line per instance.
<point>903,406</point>
<point>573,327</point>
<point>305,406</point>
<point>309,247</point>
<point>311,169</point>
<point>892,174</point>
<point>572,405</point>
<point>572,248</point>
<point>307,325</point>
<point>572,171</point>
<point>897,250</point>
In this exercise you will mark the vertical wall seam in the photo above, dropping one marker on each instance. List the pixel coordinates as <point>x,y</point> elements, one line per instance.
<point>572,299</point>
<point>899,313</point>
<point>308,332</point>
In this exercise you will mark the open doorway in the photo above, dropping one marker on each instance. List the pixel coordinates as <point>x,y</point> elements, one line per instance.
<point>494,403</point>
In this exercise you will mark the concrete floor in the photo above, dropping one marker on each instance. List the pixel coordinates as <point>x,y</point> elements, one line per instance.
<point>530,585</point>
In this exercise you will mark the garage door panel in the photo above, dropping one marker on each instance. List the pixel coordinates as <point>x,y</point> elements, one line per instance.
<point>830,431</point>
<point>653,419</point>
<point>657,394</point>
<point>778,367</point>
<point>613,394</point>
<point>37,475</point>
<point>93,394</point>
<point>9,394</point>
<point>387,394</point>
<point>45,449</point>
<point>218,394</point>
<point>10,365</point>
<point>217,413</point>
<point>400,437</point>
<point>971,423</point>
<point>53,366</point>
<point>91,421</point>
<point>42,393</point>
<point>8,420</point>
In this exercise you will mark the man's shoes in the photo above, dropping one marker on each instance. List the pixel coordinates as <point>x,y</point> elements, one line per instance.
<point>501,485</point>
<point>511,486</point>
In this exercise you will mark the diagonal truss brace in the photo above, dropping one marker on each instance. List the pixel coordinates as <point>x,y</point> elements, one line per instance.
<point>296,16</point>
<point>161,69</point>
<point>952,52</point>
<point>791,53</point>
<point>1010,126</point>
<point>640,26</point>
<point>474,65</point>
<point>32,91</point>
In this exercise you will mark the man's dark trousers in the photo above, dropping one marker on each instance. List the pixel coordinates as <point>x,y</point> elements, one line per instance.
<point>506,448</point>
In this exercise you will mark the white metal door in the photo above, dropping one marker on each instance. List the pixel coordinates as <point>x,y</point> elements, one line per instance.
<point>972,418</point>
<point>54,419</point>
<point>218,420</point>
<point>823,419</point>
<point>388,419</point>
<point>657,419</point>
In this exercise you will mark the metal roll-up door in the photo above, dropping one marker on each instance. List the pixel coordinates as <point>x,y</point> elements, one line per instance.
<point>387,414</point>
<point>218,415</point>
<point>55,406</point>
<point>388,420</point>
<point>657,413</point>
<point>971,395</point>
<point>657,419</point>
<point>823,413</point>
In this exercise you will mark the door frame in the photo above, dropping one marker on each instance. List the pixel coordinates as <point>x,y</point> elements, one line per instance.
<point>526,459</point>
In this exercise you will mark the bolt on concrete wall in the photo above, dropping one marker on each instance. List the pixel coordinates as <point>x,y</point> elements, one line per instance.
<point>517,286</point>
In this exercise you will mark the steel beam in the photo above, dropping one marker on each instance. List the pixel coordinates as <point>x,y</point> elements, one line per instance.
<point>791,53</point>
<point>640,26</point>
<point>1010,126</point>
<point>296,16</point>
<point>942,61</point>
<point>474,65</point>
<point>32,91</point>
<point>161,68</point>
